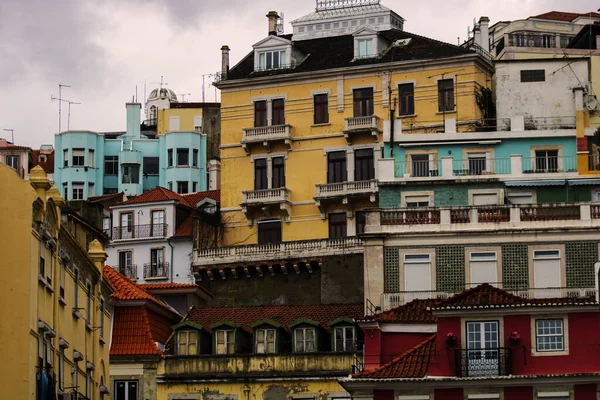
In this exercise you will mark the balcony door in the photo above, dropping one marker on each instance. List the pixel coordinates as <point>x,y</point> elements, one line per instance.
<point>157,263</point>
<point>483,344</point>
<point>158,223</point>
<point>126,228</point>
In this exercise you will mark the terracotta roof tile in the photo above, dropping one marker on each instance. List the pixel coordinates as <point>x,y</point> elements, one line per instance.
<point>47,166</point>
<point>486,295</point>
<point>125,289</point>
<point>283,314</point>
<point>412,364</point>
<point>13,147</point>
<point>155,195</point>
<point>416,312</point>
<point>132,333</point>
<point>195,198</point>
<point>564,16</point>
<point>185,229</point>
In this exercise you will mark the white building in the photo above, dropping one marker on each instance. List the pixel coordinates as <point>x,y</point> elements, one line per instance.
<point>151,235</point>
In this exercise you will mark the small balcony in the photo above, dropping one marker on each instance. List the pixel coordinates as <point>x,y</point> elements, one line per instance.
<point>343,192</point>
<point>129,271</point>
<point>354,126</point>
<point>266,135</point>
<point>152,231</point>
<point>483,362</point>
<point>276,199</point>
<point>158,270</point>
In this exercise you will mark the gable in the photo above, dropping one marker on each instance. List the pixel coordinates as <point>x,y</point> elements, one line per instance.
<point>271,41</point>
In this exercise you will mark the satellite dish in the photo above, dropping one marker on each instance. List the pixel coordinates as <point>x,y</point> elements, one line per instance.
<point>591,103</point>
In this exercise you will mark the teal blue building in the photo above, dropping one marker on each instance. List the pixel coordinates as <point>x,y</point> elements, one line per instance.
<point>133,162</point>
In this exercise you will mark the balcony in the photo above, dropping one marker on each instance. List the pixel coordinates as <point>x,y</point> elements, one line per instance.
<point>280,251</point>
<point>360,125</point>
<point>342,192</point>
<point>483,362</point>
<point>276,199</point>
<point>483,218</point>
<point>156,270</point>
<point>129,271</point>
<point>392,300</point>
<point>152,231</point>
<point>266,135</point>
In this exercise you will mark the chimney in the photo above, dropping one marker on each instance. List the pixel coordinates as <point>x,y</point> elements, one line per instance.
<point>484,27</point>
<point>214,174</point>
<point>477,35</point>
<point>224,61</point>
<point>273,17</point>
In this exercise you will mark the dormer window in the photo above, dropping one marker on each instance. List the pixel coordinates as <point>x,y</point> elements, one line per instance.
<point>344,339</point>
<point>365,48</point>
<point>272,60</point>
<point>367,43</point>
<point>265,341</point>
<point>304,340</point>
<point>187,343</point>
<point>225,342</point>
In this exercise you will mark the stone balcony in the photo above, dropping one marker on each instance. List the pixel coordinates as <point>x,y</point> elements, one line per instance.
<point>278,199</point>
<point>266,135</point>
<point>493,218</point>
<point>355,126</point>
<point>342,192</point>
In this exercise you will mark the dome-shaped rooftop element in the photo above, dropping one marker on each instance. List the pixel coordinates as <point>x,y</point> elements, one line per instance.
<point>163,93</point>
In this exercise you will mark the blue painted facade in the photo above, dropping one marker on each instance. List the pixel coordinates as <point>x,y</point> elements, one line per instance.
<point>91,164</point>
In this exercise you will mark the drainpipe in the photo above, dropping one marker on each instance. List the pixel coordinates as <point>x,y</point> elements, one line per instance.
<point>392,117</point>
<point>171,246</point>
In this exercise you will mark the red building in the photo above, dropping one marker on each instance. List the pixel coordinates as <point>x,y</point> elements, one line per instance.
<point>487,344</point>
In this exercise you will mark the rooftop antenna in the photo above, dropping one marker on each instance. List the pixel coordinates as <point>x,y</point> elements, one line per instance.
<point>12,134</point>
<point>161,83</point>
<point>69,114</point>
<point>279,27</point>
<point>60,86</point>
<point>183,96</point>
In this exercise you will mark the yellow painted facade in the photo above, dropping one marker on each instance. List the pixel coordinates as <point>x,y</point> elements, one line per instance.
<point>40,326</point>
<point>306,160</point>
<point>187,117</point>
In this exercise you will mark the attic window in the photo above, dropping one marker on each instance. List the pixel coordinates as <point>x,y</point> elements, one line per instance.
<point>272,60</point>
<point>365,48</point>
<point>187,343</point>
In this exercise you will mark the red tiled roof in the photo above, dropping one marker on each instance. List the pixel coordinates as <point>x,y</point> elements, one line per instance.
<point>486,295</point>
<point>136,331</point>
<point>13,148</point>
<point>125,289</point>
<point>284,314</point>
<point>195,198</point>
<point>412,364</point>
<point>155,195</point>
<point>415,312</point>
<point>185,229</point>
<point>47,166</point>
<point>168,285</point>
<point>94,199</point>
<point>564,16</point>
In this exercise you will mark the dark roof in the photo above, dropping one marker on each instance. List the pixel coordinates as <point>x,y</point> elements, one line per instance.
<point>582,40</point>
<point>47,166</point>
<point>191,104</point>
<point>283,314</point>
<point>412,364</point>
<point>414,312</point>
<point>488,296</point>
<point>564,16</point>
<point>338,52</point>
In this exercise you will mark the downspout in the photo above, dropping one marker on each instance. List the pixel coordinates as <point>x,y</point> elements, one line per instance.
<point>392,117</point>
<point>171,246</point>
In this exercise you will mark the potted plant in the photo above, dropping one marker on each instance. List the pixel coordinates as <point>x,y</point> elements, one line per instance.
<point>450,338</point>
<point>514,337</point>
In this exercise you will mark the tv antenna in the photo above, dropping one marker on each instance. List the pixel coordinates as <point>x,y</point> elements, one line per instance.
<point>183,96</point>
<point>60,101</point>
<point>279,27</point>
<point>161,83</point>
<point>59,98</point>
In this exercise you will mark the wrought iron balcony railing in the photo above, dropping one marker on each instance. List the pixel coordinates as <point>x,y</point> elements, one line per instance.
<point>139,231</point>
<point>483,362</point>
<point>130,271</point>
<point>156,270</point>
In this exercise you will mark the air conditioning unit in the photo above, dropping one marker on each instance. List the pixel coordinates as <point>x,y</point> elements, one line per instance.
<point>591,103</point>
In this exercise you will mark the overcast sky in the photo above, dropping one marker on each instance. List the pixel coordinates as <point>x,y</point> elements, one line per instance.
<point>103,49</point>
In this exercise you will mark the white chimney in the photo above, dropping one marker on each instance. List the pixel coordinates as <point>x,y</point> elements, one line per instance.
<point>598,42</point>
<point>484,27</point>
<point>273,17</point>
<point>214,174</point>
<point>477,35</point>
<point>224,61</point>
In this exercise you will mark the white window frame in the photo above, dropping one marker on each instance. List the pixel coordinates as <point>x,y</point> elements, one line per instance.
<point>173,123</point>
<point>483,255</point>
<point>198,123</point>
<point>344,330</point>
<point>364,48</point>
<point>186,333</point>
<point>521,195</point>
<point>282,54</point>
<point>407,197</point>
<point>10,161</point>
<point>77,191</point>
<point>534,255</point>
<point>228,339</point>
<point>497,192</point>
<point>533,158</point>
<point>78,153</point>
<point>91,158</point>
<point>265,342</point>
<point>534,336</point>
<point>304,341</point>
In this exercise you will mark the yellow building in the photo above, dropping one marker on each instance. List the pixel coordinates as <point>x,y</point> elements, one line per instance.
<point>55,321</point>
<point>305,116</point>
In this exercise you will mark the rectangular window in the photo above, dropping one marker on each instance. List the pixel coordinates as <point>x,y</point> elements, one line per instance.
<point>363,102</point>
<point>183,157</point>
<point>406,95</point>
<point>126,390</point>
<point>77,191</point>
<point>151,166</point>
<point>158,223</point>
<point>260,174</point>
<point>63,273</point>
<point>321,104</point>
<point>365,48</point>
<point>364,166</point>
<point>278,178</point>
<point>111,165</point>
<point>337,225</point>
<point>65,191</point>
<point>417,201</point>
<point>278,112</point>
<point>170,157</point>
<point>361,222</point>
<point>78,158</point>
<point>198,124</point>
<point>344,339</point>
<point>194,187</point>
<point>125,264</point>
<point>265,341</point>
<point>549,335</point>
<point>173,123</point>
<point>42,258</point>
<point>126,225</point>
<point>131,174</point>
<point>546,160</point>
<point>260,113</point>
<point>76,289</point>
<point>170,185</point>
<point>157,264</point>
<point>91,158</point>
<point>421,165</point>
<point>61,369</point>
<point>417,272</point>
<point>88,305</point>
<point>101,319</point>
<point>336,167</point>
<point>304,339</point>
<point>483,268</point>
<point>547,273</point>
<point>269,232</point>
<point>195,158</point>
<point>477,163</point>
<point>272,60</point>
<point>187,343</point>
<point>14,162</point>
<point>65,158</point>
<point>225,342</point>
<point>445,95</point>
<point>533,75</point>
<point>182,187</point>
